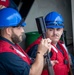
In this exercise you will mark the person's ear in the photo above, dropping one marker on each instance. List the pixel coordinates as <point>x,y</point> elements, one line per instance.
<point>8,31</point>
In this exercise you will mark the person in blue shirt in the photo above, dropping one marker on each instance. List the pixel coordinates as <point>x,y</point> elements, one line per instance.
<point>13,59</point>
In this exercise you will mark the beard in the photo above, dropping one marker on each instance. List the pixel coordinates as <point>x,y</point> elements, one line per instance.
<point>17,39</point>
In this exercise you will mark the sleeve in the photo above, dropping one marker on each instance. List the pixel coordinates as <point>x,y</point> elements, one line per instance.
<point>32,52</point>
<point>13,64</point>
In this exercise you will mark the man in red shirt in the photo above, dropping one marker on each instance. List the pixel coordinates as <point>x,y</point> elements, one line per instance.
<point>59,54</point>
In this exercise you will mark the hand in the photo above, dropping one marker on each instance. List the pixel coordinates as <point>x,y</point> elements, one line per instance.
<point>44,45</point>
<point>53,62</point>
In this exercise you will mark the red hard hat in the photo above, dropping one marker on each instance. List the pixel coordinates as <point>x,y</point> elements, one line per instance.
<point>4,3</point>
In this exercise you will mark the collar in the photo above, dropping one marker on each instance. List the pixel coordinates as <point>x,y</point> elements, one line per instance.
<point>4,39</point>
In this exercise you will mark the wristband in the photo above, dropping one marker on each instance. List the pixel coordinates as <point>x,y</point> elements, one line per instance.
<point>38,52</point>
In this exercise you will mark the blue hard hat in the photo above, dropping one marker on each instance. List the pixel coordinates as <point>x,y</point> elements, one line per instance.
<point>54,20</point>
<point>10,17</point>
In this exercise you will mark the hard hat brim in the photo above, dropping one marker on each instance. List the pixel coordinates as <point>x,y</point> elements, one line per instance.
<point>23,24</point>
<point>55,26</point>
